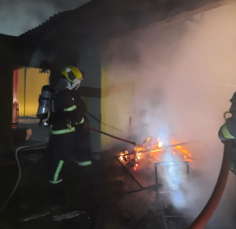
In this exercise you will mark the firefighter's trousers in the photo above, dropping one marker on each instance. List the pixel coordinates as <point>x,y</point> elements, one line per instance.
<point>62,147</point>
<point>82,146</point>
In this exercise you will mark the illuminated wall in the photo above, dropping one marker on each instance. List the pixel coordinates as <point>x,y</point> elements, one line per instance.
<point>29,88</point>
<point>116,106</point>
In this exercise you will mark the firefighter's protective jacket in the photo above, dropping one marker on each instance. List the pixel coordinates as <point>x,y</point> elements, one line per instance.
<point>65,115</point>
<point>228,132</point>
<point>79,102</point>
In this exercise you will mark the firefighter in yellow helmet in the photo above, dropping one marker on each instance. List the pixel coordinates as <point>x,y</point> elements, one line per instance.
<point>65,118</point>
<point>228,132</point>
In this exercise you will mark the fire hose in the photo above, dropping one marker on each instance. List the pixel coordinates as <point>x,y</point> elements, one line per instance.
<point>208,210</point>
<point>112,136</point>
<point>43,145</point>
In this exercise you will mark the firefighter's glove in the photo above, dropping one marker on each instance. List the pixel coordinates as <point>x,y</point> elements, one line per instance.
<point>46,123</point>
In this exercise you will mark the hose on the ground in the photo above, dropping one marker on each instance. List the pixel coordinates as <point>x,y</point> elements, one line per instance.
<point>208,210</point>
<point>43,144</point>
<point>19,173</point>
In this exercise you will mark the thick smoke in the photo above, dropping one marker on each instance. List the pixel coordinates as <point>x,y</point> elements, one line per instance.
<point>19,16</point>
<point>174,81</point>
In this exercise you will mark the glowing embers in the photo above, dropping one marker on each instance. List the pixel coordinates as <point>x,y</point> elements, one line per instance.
<point>151,150</point>
<point>182,153</point>
<point>124,157</point>
<point>132,159</point>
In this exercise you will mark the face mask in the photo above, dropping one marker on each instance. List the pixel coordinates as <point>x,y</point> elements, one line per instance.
<point>76,84</point>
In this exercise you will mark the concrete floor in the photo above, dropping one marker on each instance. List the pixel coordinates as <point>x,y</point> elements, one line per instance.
<point>106,193</point>
<point>100,195</point>
<point>39,133</point>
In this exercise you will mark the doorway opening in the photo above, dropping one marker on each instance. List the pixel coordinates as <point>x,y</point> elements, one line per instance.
<point>27,85</point>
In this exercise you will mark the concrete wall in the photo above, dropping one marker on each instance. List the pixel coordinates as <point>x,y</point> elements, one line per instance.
<point>116,106</point>
<point>29,88</point>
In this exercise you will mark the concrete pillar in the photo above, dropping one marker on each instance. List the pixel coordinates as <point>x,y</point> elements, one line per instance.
<point>91,89</point>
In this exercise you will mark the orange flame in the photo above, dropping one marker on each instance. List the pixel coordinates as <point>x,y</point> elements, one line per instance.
<point>153,147</point>
<point>184,153</point>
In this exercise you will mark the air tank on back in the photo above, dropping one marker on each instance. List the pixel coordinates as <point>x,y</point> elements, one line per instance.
<point>45,100</point>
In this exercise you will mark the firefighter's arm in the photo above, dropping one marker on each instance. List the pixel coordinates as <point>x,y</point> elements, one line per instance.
<point>75,117</point>
<point>228,130</point>
<point>64,103</point>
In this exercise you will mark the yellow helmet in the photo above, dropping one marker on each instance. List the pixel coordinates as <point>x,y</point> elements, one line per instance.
<point>71,73</point>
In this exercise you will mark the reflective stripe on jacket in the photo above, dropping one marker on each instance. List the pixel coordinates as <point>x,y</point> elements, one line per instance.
<point>82,121</point>
<point>84,163</point>
<point>64,116</point>
<point>70,108</point>
<point>226,133</point>
<point>64,131</point>
<point>228,130</point>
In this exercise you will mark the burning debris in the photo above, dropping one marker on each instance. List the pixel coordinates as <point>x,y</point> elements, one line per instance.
<point>151,147</point>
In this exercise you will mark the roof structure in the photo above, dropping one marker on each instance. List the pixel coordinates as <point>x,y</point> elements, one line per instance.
<point>68,32</point>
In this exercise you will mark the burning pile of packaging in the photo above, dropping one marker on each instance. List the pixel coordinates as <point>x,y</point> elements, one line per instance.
<point>151,146</point>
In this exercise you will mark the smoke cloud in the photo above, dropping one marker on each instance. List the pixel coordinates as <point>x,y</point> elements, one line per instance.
<point>174,81</point>
<point>19,16</point>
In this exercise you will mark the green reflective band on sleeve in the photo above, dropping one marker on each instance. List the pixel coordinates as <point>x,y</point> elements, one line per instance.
<point>56,182</point>
<point>56,175</point>
<point>65,131</point>
<point>226,133</point>
<point>233,168</point>
<point>82,121</point>
<point>70,108</point>
<point>84,163</point>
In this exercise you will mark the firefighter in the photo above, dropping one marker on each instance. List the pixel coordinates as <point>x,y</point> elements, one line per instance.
<point>64,119</point>
<point>228,132</point>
